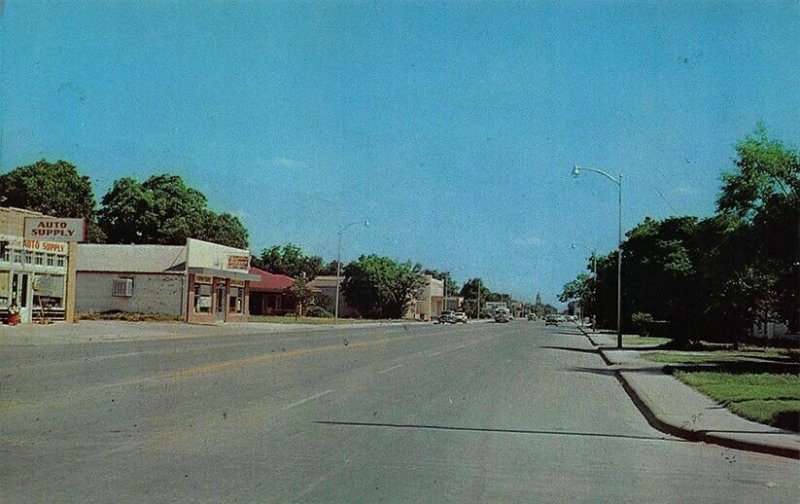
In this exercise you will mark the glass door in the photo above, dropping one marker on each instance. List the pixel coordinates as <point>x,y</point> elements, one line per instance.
<point>220,295</point>
<point>20,294</point>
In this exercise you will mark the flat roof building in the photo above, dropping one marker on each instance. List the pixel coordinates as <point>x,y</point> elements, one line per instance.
<point>197,282</point>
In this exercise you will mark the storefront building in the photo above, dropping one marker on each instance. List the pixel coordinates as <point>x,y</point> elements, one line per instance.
<point>33,273</point>
<point>199,282</point>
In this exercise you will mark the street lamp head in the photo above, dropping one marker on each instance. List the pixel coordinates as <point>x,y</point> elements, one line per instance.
<point>576,171</point>
<point>366,223</point>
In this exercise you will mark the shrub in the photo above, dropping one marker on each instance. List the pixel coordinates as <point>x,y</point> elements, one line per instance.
<point>318,311</point>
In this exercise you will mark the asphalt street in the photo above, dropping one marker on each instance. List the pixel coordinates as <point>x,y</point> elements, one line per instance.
<point>408,413</point>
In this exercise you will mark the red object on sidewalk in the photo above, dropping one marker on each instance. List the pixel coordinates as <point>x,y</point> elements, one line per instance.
<point>13,319</point>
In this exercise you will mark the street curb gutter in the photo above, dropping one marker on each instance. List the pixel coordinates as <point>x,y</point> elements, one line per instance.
<point>688,434</point>
<point>695,435</point>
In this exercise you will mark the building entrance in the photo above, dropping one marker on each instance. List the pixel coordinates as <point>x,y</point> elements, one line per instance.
<point>20,295</point>
<point>219,310</point>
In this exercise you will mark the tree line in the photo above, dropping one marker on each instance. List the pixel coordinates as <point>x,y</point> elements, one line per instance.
<point>164,210</point>
<point>711,278</point>
<point>161,210</point>
<point>377,287</point>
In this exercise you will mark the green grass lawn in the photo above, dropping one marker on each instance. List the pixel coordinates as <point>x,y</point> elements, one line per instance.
<point>772,399</point>
<point>759,384</point>
<point>637,341</point>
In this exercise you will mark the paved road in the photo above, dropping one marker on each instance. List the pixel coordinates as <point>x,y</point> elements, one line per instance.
<point>477,413</point>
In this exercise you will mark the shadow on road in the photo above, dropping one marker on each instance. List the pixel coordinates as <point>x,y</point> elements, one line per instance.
<point>493,431</point>
<point>571,349</point>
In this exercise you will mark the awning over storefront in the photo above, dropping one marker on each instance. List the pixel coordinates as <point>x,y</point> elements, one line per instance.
<point>220,273</point>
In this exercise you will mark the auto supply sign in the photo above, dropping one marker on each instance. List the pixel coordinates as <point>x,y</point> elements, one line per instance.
<point>54,229</point>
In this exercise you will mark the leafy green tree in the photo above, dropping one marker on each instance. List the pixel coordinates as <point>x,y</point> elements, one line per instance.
<point>302,293</point>
<point>163,210</point>
<point>224,228</point>
<point>55,189</point>
<point>764,191</point>
<point>581,288</point>
<point>379,287</point>
<point>290,260</point>
<point>765,168</point>
<point>474,292</point>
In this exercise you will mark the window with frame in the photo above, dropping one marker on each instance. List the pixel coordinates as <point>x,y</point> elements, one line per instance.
<point>122,287</point>
<point>202,298</point>
<point>60,261</point>
<point>235,300</point>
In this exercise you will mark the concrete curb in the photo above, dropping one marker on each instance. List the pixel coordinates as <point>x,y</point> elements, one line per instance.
<point>640,400</point>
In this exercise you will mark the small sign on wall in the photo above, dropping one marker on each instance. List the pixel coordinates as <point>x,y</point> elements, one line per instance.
<point>55,229</point>
<point>239,262</point>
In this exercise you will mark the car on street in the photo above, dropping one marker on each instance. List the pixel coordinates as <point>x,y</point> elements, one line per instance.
<point>531,316</point>
<point>551,320</point>
<point>503,314</point>
<point>460,316</point>
<point>447,317</point>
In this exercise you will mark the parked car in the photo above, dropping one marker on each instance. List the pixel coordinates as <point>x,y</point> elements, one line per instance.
<point>551,320</point>
<point>447,317</point>
<point>461,317</point>
<point>531,316</point>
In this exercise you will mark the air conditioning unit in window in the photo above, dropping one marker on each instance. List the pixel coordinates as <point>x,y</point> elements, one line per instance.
<point>122,287</point>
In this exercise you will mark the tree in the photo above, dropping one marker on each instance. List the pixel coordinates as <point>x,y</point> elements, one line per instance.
<point>379,287</point>
<point>224,229</point>
<point>764,191</point>
<point>765,168</point>
<point>54,189</point>
<point>290,260</point>
<point>474,293</point>
<point>302,293</point>
<point>163,210</point>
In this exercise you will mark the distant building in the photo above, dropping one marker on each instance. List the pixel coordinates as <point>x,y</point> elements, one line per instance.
<point>269,296</point>
<point>326,285</point>
<point>196,282</point>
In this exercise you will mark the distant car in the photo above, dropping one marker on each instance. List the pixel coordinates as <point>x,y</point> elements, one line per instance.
<point>447,317</point>
<point>551,320</point>
<point>461,317</point>
<point>531,316</point>
<point>502,315</point>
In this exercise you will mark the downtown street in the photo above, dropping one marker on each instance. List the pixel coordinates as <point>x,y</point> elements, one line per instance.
<point>482,412</point>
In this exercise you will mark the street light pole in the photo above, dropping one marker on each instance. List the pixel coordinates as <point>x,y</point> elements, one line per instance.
<point>576,171</point>
<point>339,266</point>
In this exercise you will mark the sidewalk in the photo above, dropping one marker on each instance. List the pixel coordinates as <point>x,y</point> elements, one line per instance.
<point>677,409</point>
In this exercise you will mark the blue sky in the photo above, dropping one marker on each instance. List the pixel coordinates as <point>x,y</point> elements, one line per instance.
<point>452,126</point>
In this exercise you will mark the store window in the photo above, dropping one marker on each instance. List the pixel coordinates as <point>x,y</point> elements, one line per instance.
<point>38,258</point>
<point>60,261</point>
<point>202,295</point>
<point>51,259</point>
<point>235,300</point>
